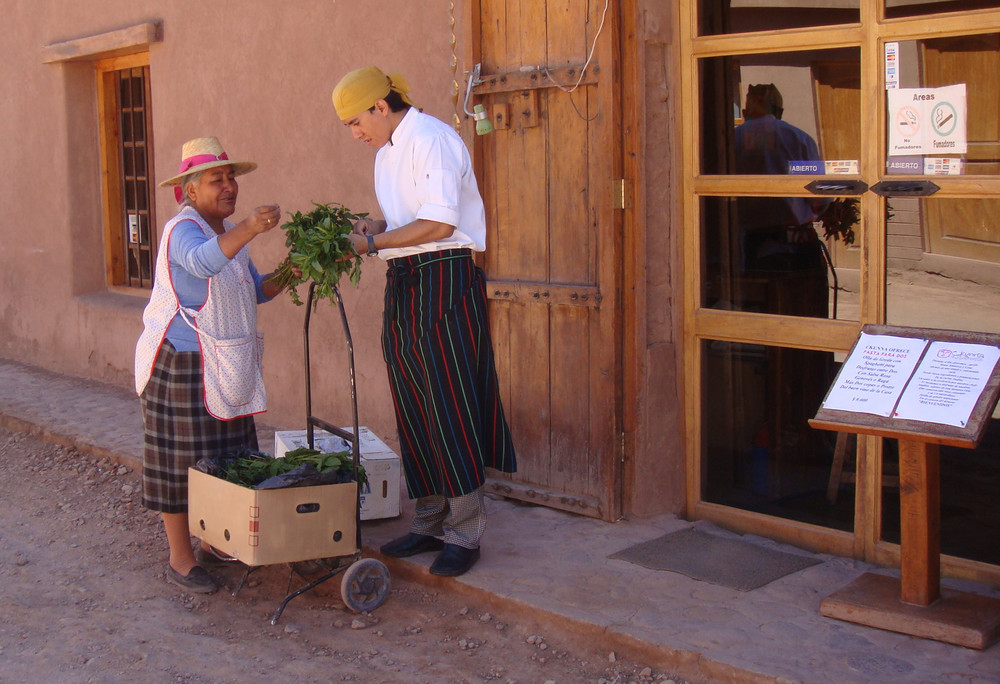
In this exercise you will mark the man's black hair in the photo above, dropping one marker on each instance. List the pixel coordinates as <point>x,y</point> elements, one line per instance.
<point>395,102</point>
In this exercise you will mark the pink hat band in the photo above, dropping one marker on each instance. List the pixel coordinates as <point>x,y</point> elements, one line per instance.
<point>192,162</point>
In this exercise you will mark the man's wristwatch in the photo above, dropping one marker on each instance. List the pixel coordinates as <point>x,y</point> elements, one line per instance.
<point>371,246</point>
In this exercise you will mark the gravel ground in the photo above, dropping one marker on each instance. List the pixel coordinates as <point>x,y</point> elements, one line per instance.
<point>84,599</point>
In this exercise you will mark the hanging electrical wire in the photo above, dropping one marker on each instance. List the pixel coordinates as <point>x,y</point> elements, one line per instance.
<point>590,56</point>
<point>474,78</point>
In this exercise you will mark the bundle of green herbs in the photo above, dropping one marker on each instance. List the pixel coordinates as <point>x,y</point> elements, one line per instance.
<point>320,249</point>
<point>250,470</point>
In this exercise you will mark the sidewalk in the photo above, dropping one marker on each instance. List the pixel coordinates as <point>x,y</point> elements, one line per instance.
<point>553,567</point>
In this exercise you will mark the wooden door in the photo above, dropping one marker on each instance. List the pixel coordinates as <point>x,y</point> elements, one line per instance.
<point>552,260</point>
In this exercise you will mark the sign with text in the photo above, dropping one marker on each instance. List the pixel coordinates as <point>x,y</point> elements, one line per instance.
<point>927,120</point>
<point>874,375</point>
<point>947,382</point>
<point>912,378</point>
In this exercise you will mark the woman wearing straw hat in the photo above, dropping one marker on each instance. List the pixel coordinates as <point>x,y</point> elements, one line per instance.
<point>435,336</point>
<point>197,362</point>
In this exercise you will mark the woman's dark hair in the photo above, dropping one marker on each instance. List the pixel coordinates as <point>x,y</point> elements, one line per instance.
<point>395,102</point>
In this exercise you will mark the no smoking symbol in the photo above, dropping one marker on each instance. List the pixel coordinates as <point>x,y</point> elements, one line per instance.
<point>908,121</point>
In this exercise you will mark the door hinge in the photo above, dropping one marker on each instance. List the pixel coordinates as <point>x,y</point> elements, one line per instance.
<point>622,189</point>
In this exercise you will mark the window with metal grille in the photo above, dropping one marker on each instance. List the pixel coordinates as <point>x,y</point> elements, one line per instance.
<point>127,152</point>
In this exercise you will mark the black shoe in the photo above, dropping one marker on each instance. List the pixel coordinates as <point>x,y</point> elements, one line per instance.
<point>410,545</point>
<point>198,580</point>
<point>454,560</point>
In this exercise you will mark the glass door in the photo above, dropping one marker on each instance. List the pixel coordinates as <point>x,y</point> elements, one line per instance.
<point>820,205</point>
<point>943,243</point>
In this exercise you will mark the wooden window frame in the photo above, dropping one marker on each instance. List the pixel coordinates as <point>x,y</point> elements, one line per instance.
<point>116,240</point>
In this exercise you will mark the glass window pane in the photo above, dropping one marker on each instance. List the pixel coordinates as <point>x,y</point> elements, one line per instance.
<point>138,88</point>
<point>146,269</point>
<point>759,453</point>
<point>738,16</point>
<point>133,266</point>
<point>144,230</point>
<point>126,130</point>
<point>139,153</point>
<point>129,199</point>
<point>943,114</point>
<point>772,255</point>
<point>141,195</point>
<point>124,90</point>
<point>970,488</point>
<point>760,112</point>
<point>943,263</point>
<point>895,9</point>
<point>138,126</point>
<point>128,162</point>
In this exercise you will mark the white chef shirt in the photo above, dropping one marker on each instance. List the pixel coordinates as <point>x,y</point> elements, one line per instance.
<point>425,172</point>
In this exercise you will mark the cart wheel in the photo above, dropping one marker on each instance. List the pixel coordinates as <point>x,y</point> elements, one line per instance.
<point>365,585</point>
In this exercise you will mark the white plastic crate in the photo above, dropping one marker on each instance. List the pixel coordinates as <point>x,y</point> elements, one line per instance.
<point>380,498</point>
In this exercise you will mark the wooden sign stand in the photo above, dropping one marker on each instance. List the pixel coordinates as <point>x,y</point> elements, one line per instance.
<point>915,603</point>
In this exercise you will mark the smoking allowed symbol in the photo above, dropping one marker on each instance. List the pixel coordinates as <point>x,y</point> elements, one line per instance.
<point>944,119</point>
<point>907,121</point>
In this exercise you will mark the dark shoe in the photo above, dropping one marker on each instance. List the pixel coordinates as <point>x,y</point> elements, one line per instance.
<point>410,545</point>
<point>198,580</point>
<point>454,561</point>
<point>211,557</point>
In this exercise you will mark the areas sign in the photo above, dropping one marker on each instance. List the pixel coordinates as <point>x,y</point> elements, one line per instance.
<point>927,120</point>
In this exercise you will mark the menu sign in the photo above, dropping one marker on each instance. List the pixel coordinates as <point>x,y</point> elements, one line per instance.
<point>913,378</point>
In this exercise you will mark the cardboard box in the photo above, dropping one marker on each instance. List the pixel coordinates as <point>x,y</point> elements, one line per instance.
<point>261,527</point>
<point>380,497</point>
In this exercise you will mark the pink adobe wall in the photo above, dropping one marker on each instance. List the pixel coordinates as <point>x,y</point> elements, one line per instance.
<point>258,75</point>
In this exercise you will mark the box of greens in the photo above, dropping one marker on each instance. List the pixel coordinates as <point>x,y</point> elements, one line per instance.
<point>262,510</point>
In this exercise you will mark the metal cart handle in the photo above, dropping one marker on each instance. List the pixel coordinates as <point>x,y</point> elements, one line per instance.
<point>312,421</point>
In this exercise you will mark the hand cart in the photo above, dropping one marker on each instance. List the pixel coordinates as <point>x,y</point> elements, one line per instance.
<point>366,581</point>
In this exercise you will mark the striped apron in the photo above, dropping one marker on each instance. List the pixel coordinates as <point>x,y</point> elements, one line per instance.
<point>439,356</point>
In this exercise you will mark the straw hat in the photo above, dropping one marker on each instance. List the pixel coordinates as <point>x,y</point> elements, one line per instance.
<point>202,154</point>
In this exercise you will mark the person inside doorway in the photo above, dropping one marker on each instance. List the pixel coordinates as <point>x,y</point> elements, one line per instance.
<point>782,269</point>
<point>778,243</point>
<point>435,336</point>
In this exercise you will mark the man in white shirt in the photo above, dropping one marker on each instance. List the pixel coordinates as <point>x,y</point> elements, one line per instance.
<point>435,336</point>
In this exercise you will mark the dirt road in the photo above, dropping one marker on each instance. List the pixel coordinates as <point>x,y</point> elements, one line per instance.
<point>83,599</point>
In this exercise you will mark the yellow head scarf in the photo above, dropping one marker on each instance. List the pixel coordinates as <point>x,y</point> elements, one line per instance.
<point>360,89</point>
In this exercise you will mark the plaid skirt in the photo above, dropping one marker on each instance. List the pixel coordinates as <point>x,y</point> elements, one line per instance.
<point>179,430</point>
<point>439,355</point>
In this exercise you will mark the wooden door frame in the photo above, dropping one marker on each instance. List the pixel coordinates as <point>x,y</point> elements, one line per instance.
<point>821,335</point>
<point>633,145</point>
<point>612,257</point>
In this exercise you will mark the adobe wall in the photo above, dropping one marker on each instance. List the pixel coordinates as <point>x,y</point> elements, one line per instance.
<point>259,77</point>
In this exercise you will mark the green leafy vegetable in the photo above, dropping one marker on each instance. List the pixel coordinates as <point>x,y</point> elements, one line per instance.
<point>319,247</point>
<point>250,471</point>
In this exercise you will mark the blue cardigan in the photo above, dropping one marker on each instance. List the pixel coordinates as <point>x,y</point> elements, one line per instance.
<point>194,259</point>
